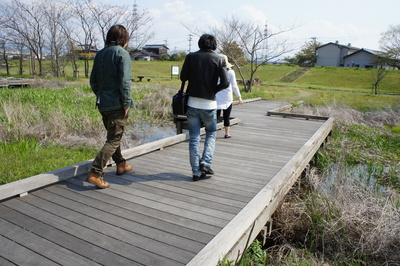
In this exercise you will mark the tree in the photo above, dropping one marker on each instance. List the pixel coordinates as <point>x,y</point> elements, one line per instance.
<point>105,16</point>
<point>87,24</point>
<point>25,21</point>
<point>258,45</point>
<point>138,24</point>
<point>57,15</point>
<point>378,74</point>
<point>4,54</point>
<point>308,53</point>
<point>390,45</point>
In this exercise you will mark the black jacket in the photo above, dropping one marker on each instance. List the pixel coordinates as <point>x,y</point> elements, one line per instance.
<point>203,69</point>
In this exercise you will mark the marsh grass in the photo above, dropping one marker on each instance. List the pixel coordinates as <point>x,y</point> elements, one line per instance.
<point>346,210</point>
<point>340,220</point>
<point>44,129</point>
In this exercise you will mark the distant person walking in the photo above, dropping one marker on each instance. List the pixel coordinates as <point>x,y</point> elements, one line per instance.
<point>110,81</point>
<point>225,98</point>
<point>203,69</point>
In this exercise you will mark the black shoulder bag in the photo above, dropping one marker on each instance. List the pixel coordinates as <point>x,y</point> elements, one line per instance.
<point>179,101</point>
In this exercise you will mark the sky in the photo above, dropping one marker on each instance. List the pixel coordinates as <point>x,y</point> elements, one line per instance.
<point>358,22</point>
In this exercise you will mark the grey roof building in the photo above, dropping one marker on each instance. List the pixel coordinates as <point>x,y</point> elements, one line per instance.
<point>339,55</point>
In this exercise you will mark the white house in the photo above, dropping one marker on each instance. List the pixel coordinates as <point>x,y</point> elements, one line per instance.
<point>339,55</point>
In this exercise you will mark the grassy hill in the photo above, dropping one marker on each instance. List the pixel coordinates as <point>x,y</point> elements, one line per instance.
<point>317,86</point>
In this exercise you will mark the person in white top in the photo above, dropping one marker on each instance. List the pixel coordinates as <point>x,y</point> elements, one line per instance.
<point>225,97</point>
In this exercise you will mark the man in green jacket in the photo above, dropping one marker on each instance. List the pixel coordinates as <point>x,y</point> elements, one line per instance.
<point>110,80</point>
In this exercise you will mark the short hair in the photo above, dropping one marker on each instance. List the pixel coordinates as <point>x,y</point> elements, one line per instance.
<point>117,34</point>
<point>207,41</point>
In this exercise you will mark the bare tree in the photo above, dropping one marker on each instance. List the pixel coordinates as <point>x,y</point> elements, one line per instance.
<point>378,74</point>
<point>390,46</point>
<point>57,15</point>
<point>138,24</point>
<point>4,55</point>
<point>105,16</point>
<point>259,45</point>
<point>26,21</point>
<point>87,25</point>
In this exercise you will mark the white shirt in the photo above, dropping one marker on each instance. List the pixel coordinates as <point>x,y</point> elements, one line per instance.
<point>201,103</point>
<point>225,97</point>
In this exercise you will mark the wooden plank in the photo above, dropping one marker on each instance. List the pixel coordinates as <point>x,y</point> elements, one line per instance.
<point>126,205</point>
<point>127,224</point>
<point>127,212</point>
<point>223,242</point>
<point>39,245</point>
<point>87,233</point>
<point>134,199</point>
<point>210,188</point>
<point>3,261</point>
<point>19,255</point>
<point>63,239</point>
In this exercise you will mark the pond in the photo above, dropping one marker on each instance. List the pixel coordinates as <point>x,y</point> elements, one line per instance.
<point>144,132</point>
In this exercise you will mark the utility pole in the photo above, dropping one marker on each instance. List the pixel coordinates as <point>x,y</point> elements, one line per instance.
<point>190,42</point>
<point>266,42</point>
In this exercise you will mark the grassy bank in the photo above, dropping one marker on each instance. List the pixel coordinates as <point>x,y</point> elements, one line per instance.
<point>60,112</point>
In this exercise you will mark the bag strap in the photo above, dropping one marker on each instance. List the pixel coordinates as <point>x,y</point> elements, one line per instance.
<point>182,87</point>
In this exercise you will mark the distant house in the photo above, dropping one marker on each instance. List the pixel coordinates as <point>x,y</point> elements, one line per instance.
<point>339,55</point>
<point>85,50</point>
<point>143,55</point>
<point>362,58</point>
<point>159,49</point>
<point>150,52</point>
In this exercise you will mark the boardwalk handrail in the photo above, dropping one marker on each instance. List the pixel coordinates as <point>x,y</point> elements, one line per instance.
<point>252,218</point>
<point>23,186</point>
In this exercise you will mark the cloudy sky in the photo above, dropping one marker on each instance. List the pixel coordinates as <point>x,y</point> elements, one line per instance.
<point>359,22</point>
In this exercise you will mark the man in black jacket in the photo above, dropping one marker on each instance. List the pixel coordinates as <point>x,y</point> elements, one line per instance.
<point>206,74</point>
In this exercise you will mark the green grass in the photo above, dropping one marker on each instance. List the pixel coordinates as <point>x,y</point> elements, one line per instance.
<point>27,158</point>
<point>60,109</point>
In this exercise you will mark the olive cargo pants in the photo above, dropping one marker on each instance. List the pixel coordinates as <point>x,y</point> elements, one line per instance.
<point>114,122</point>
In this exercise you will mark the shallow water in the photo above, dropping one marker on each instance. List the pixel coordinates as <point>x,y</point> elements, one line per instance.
<point>141,133</point>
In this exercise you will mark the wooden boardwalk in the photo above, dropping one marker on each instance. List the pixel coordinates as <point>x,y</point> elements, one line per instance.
<point>156,214</point>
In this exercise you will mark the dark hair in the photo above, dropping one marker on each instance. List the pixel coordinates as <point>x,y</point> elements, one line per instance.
<point>207,41</point>
<point>117,34</point>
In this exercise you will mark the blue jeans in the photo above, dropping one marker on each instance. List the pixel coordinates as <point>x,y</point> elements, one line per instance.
<point>197,117</point>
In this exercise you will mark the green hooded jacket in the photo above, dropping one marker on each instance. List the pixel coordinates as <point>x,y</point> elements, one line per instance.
<point>111,78</point>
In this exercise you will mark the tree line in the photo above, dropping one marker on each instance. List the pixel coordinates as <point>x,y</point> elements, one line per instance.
<point>64,31</point>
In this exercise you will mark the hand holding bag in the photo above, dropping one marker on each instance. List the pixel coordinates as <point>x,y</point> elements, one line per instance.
<point>179,101</point>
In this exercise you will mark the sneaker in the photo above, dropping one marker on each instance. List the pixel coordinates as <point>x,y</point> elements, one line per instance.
<point>197,178</point>
<point>206,169</point>
<point>227,136</point>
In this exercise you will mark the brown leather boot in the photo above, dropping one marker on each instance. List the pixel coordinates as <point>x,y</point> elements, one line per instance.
<point>97,180</point>
<point>122,168</point>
